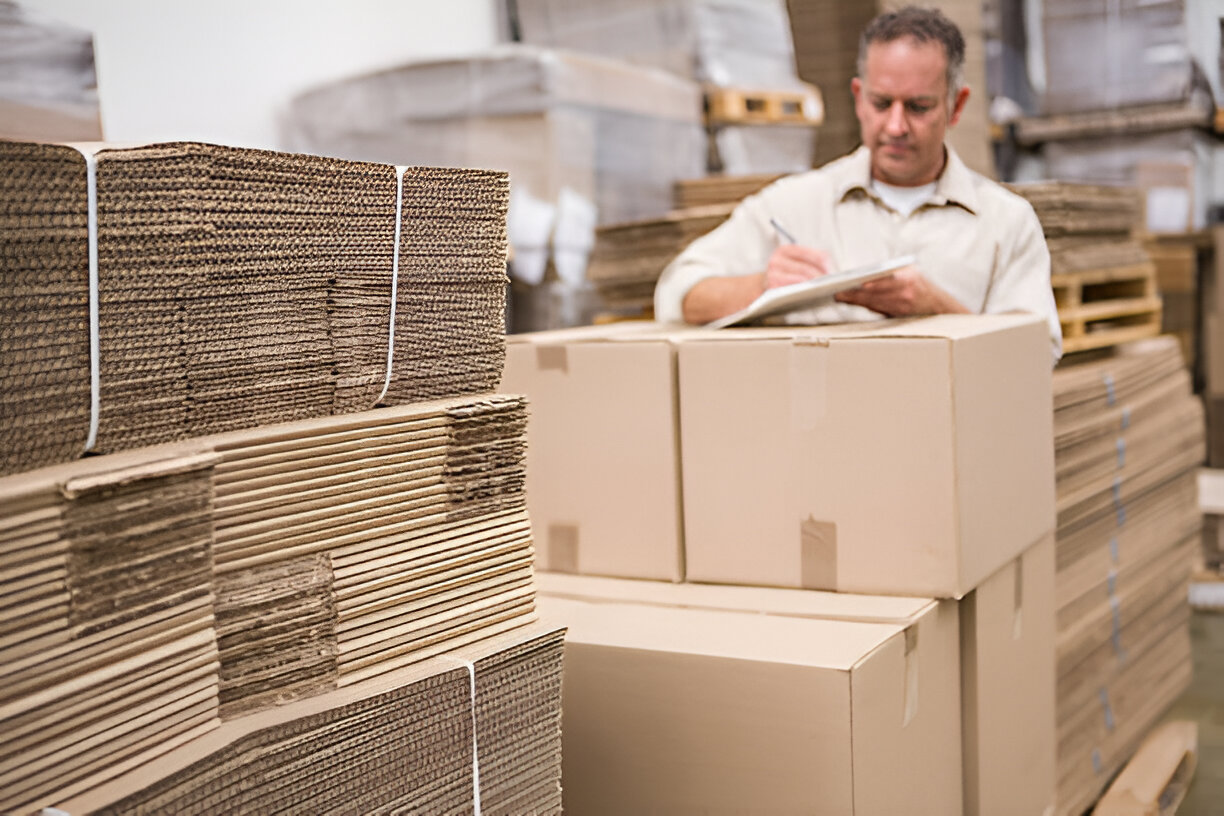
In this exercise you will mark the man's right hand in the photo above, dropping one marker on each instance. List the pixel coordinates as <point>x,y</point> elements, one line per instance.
<point>791,263</point>
<point>718,297</point>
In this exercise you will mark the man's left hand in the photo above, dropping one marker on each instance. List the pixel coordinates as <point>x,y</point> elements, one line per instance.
<point>905,292</point>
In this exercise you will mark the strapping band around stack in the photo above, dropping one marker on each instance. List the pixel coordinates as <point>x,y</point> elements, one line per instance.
<point>91,188</point>
<point>395,253</point>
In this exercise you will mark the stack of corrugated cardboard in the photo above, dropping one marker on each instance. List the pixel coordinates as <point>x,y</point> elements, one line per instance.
<point>1104,282</point>
<point>268,617</point>
<point>235,288</point>
<point>1129,438</point>
<point>826,37</point>
<point>854,483</point>
<point>1177,258</point>
<point>628,258</point>
<point>740,50</point>
<point>711,190</point>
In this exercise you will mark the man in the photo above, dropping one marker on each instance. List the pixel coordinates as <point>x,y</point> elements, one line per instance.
<point>979,247</point>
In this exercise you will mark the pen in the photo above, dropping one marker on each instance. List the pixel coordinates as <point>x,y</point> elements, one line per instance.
<point>782,231</point>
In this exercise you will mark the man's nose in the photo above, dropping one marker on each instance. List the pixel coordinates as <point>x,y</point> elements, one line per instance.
<point>894,122</point>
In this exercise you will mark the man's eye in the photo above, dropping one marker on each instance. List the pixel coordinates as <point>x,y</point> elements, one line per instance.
<point>916,108</point>
<point>882,104</point>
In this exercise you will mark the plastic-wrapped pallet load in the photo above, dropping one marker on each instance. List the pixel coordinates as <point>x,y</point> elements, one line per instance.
<point>721,42</point>
<point>586,140</point>
<point>160,292</point>
<point>1129,438</point>
<point>1114,55</point>
<point>738,44</point>
<point>48,87</point>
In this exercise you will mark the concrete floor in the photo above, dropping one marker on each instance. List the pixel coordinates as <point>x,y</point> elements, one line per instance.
<point>1203,702</point>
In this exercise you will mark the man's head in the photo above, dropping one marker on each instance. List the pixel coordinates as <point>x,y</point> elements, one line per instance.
<point>908,91</point>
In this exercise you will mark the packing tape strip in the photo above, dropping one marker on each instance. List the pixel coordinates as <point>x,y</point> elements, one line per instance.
<point>471,670</point>
<point>1121,446</point>
<point>1097,765</point>
<point>1103,696</point>
<point>1114,554</point>
<point>1126,416</point>
<point>395,253</point>
<point>1115,633</point>
<point>52,811</point>
<point>1110,394</point>
<point>91,197</point>
<point>1119,506</point>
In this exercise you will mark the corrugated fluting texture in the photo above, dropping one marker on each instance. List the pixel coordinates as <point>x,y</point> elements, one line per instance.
<point>1128,441</point>
<point>206,625</point>
<point>236,288</point>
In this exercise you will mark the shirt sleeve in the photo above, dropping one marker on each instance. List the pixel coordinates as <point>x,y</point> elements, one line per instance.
<point>1022,276</point>
<point>739,246</point>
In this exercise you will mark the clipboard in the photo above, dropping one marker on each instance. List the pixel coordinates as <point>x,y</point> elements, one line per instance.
<point>810,293</point>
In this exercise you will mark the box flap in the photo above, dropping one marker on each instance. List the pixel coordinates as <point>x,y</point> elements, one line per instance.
<point>797,603</point>
<point>838,645</point>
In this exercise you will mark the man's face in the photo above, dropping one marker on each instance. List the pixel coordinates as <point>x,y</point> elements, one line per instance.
<point>902,107</point>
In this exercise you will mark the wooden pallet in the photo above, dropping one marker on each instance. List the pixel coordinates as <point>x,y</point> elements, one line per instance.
<point>1106,307</point>
<point>741,106</point>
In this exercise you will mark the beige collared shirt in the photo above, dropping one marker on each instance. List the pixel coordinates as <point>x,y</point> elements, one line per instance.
<point>975,240</point>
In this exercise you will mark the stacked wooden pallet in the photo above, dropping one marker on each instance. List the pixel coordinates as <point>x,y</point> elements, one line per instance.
<point>1104,282</point>
<point>1128,440</point>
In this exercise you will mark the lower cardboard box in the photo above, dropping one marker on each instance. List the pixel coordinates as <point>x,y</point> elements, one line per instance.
<point>1006,669</point>
<point>687,711</point>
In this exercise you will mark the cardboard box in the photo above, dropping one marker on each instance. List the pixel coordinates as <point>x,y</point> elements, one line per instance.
<point>904,457</point>
<point>1006,670</point>
<point>1007,688</point>
<point>603,480</point>
<point>677,711</point>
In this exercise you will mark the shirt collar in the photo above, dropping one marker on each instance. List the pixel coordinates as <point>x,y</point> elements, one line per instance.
<point>954,185</point>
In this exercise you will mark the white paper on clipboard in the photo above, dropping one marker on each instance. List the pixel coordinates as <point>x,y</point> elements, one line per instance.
<point>810,293</point>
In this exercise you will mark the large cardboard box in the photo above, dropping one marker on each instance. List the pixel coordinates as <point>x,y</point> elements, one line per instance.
<point>904,457</point>
<point>1006,672</point>
<point>687,711</point>
<point>603,479</point>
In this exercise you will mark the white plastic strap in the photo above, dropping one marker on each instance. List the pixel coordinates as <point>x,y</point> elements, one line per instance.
<point>91,193</point>
<point>1110,394</point>
<point>399,208</point>
<point>471,668</point>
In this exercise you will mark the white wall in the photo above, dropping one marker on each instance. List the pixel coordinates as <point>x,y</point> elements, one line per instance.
<point>219,71</point>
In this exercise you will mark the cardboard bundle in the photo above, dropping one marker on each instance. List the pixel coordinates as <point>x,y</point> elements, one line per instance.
<point>107,653</point>
<point>235,288</point>
<point>486,719</point>
<point>351,546</point>
<point>1076,209</point>
<point>628,258</point>
<point>722,189</point>
<point>1128,439</point>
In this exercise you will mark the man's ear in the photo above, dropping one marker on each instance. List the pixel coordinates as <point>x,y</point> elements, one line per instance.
<point>958,105</point>
<point>856,88</point>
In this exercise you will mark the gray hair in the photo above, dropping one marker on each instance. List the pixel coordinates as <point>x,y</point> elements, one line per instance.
<point>924,25</point>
